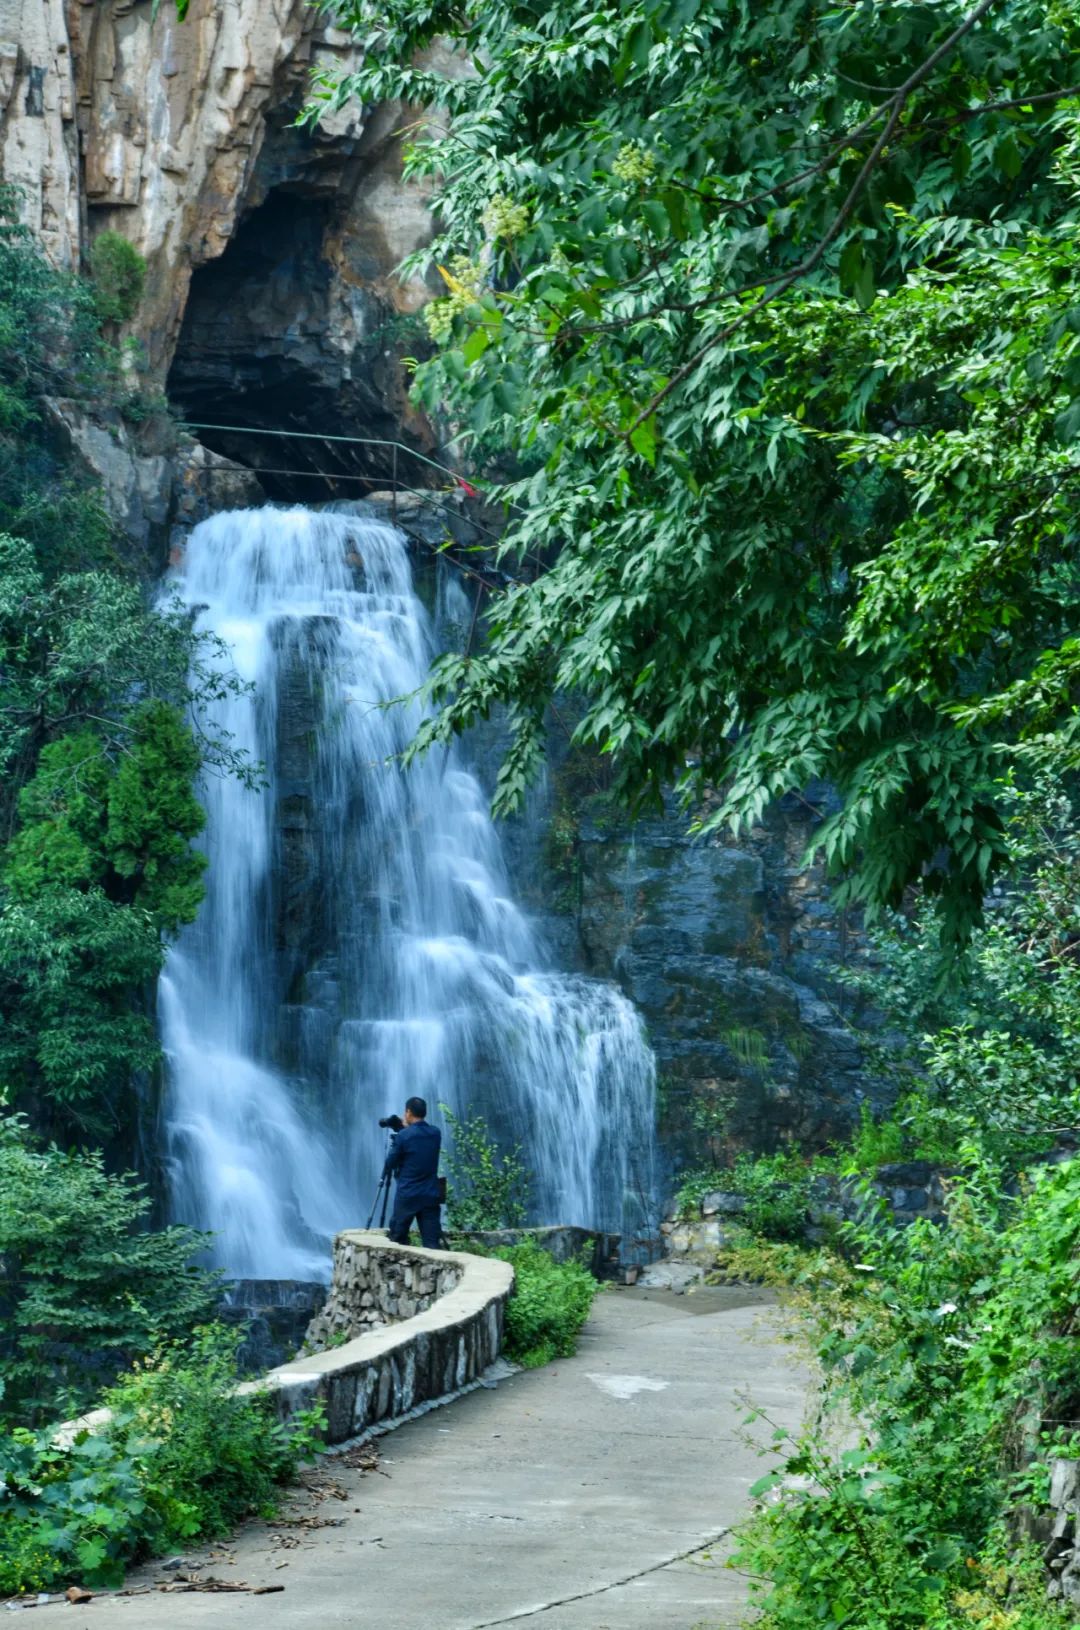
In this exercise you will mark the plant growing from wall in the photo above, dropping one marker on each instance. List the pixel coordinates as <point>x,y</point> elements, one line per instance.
<point>487,1187</point>
<point>118,275</point>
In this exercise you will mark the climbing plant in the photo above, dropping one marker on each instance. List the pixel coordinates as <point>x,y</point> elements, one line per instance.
<point>735,287</point>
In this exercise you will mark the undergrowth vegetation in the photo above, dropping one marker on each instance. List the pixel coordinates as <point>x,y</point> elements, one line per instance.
<point>549,1305</point>
<point>955,1351</point>
<point>183,1459</point>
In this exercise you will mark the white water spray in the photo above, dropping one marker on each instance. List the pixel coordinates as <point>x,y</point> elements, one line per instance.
<point>358,942</point>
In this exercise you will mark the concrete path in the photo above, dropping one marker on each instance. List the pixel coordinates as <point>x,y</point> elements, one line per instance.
<point>593,1494</point>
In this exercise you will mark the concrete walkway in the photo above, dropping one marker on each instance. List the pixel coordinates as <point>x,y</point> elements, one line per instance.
<point>593,1494</point>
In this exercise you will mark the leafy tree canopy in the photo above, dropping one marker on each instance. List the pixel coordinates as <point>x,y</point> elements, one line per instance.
<point>737,291</point>
<point>99,690</point>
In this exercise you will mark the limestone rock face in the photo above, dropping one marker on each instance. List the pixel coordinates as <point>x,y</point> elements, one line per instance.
<point>38,139</point>
<point>177,135</point>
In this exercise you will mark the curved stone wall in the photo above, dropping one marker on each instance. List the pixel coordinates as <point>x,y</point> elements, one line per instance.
<point>373,1286</point>
<point>384,1374</point>
<point>380,1377</point>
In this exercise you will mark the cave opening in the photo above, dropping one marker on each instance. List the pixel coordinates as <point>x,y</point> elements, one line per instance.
<point>281,335</point>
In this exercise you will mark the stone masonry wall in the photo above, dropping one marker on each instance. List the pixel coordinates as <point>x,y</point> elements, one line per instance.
<point>379,1377</point>
<point>385,1373</point>
<point>372,1287</point>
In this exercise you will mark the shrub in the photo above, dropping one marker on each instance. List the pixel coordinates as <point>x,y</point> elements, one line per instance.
<point>82,1290</point>
<point>184,1458</point>
<point>987,1045</point>
<point>206,1448</point>
<point>695,1186</point>
<point>118,273</point>
<point>486,1187</point>
<point>550,1303</point>
<point>777,1189</point>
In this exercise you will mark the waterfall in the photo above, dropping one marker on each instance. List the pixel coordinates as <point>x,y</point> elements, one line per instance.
<point>358,942</point>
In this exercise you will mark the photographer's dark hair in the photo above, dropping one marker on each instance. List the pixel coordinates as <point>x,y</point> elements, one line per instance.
<point>417,1107</point>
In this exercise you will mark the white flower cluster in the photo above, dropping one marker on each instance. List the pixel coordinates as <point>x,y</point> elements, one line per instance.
<point>634,163</point>
<point>464,279</point>
<point>504,219</point>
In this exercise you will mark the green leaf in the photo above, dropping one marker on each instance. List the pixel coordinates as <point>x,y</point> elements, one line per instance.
<point>643,440</point>
<point>475,346</point>
<point>864,284</point>
<point>656,217</point>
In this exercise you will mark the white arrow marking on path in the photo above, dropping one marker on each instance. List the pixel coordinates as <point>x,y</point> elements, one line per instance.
<point>624,1387</point>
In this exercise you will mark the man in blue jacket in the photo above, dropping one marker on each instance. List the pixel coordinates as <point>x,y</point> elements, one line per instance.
<point>414,1159</point>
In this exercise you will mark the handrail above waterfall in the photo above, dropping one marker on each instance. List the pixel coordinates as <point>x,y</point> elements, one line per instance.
<point>474,484</point>
<point>315,435</point>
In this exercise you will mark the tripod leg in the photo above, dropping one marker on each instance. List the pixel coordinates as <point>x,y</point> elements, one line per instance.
<point>383,1190</point>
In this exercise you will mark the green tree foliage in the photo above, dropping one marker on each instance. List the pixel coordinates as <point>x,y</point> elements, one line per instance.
<point>988,1046</point>
<point>97,757</point>
<point>118,273</point>
<point>99,814</point>
<point>123,828</point>
<point>738,286</point>
<point>99,870</point>
<point>83,1290</point>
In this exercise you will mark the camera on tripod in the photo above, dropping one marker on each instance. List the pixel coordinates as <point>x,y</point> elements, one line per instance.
<point>394,1122</point>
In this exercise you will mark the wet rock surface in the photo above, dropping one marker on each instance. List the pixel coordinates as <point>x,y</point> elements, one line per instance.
<point>730,951</point>
<point>276,1314</point>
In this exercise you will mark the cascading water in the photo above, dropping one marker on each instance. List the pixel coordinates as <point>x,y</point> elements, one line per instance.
<point>358,942</point>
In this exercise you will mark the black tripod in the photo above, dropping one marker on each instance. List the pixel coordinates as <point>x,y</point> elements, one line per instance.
<point>383,1190</point>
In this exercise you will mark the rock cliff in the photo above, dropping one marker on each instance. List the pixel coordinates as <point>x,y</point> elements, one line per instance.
<point>730,951</point>
<point>270,293</point>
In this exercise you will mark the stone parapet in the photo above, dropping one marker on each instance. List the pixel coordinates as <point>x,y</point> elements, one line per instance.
<point>386,1373</point>
<point>378,1378</point>
<point>373,1286</point>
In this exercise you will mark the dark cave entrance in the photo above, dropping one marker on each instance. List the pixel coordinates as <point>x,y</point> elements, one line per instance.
<point>278,336</point>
